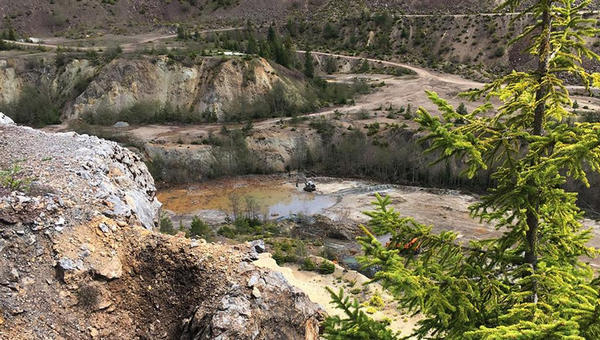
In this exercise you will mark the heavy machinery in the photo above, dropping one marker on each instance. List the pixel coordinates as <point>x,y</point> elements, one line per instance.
<point>310,186</point>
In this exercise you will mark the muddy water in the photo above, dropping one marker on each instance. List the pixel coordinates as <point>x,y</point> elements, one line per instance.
<point>270,197</point>
<point>338,199</point>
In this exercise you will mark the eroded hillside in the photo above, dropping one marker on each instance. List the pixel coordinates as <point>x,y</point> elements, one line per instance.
<point>79,259</point>
<point>190,90</point>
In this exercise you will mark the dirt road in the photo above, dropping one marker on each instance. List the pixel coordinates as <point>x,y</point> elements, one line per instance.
<point>54,43</point>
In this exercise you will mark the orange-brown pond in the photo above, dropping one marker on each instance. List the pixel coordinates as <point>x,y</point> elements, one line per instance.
<point>268,196</point>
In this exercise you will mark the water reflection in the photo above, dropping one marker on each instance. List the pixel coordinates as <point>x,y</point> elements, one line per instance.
<point>269,199</point>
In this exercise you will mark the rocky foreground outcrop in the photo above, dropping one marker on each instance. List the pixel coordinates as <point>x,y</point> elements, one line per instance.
<point>78,258</point>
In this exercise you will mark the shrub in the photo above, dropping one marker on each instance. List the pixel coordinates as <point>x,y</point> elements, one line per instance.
<point>227,231</point>
<point>282,257</point>
<point>376,301</point>
<point>331,65</point>
<point>324,127</point>
<point>143,112</point>
<point>201,229</point>
<point>111,53</point>
<point>308,265</point>
<point>372,128</point>
<point>326,267</point>
<point>288,251</point>
<point>35,107</point>
<point>499,52</point>
<point>462,109</point>
<point>591,116</point>
<point>166,225</point>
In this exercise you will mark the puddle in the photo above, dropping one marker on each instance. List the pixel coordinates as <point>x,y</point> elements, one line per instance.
<point>301,203</point>
<point>271,198</point>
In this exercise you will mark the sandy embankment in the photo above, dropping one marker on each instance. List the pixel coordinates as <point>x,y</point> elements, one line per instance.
<point>313,284</point>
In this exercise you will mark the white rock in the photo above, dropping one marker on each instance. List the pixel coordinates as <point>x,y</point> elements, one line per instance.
<point>5,120</point>
<point>256,293</point>
<point>253,280</point>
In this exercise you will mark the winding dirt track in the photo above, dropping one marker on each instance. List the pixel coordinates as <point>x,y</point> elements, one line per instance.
<point>127,47</point>
<point>421,72</point>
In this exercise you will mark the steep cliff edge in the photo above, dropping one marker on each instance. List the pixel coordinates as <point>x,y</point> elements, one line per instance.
<point>78,259</point>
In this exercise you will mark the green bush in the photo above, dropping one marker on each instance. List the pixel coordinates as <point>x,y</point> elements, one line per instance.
<point>143,112</point>
<point>499,52</point>
<point>201,229</point>
<point>308,264</point>
<point>326,267</point>
<point>324,127</point>
<point>282,257</point>
<point>376,301</point>
<point>372,128</point>
<point>288,251</point>
<point>166,225</point>
<point>591,116</point>
<point>35,107</point>
<point>331,65</point>
<point>227,231</point>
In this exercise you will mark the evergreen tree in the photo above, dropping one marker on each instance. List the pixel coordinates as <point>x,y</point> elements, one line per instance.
<point>309,67</point>
<point>364,66</point>
<point>200,228</point>
<point>166,225</point>
<point>265,50</point>
<point>11,34</point>
<point>291,27</point>
<point>462,109</point>
<point>181,33</point>
<point>272,34</point>
<point>530,282</point>
<point>280,53</point>
<point>251,47</point>
<point>330,31</point>
<point>331,65</point>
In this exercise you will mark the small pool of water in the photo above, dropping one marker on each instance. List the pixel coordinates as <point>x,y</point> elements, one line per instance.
<point>271,198</point>
<point>301,203</point>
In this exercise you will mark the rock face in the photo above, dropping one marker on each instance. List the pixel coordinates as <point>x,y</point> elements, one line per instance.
<point>273,150</point>
<point>205,88</point>
<point>10,83</point>
<point>77,258</point>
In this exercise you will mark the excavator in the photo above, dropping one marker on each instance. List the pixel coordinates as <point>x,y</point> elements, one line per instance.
<point>309,186</point>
